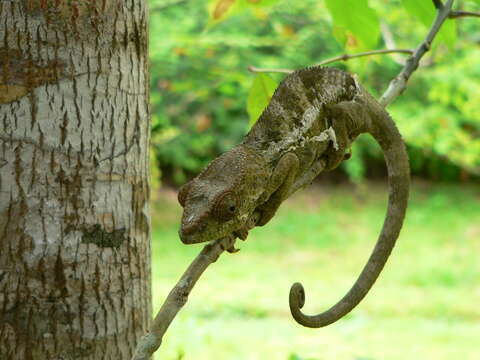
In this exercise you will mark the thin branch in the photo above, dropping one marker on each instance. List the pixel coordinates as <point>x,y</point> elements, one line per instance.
<point>346,57</point>
<point>463,14</point>
<point>175,300</point>
<point>343,57</point>
<point>178,296</point>
<point>398,85</point>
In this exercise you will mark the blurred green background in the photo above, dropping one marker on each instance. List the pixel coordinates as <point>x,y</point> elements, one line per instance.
<point>425,304</point>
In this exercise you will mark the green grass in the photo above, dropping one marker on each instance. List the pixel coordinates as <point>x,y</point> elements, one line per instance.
<point>424,306</point>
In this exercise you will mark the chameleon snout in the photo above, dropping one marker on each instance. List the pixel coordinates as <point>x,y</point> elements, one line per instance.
<point>189,230</point>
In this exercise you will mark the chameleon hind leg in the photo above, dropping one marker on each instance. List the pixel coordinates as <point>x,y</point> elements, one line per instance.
<point>279,186</point>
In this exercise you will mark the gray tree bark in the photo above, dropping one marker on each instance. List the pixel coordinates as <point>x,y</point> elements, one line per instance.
<point>74,221</point>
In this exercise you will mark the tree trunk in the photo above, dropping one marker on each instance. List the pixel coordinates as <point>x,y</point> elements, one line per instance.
<point>74,221</point>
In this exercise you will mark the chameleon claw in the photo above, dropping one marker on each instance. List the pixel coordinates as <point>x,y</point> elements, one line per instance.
<point>230,246</point>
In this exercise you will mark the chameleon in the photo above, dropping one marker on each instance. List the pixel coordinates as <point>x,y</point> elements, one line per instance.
<point>307,127</point>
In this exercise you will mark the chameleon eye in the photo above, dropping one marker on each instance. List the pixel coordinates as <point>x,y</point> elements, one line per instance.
<point>182,193</point>
<point>225,206</point>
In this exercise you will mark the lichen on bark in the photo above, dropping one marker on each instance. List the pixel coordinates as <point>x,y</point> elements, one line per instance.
<point>102,238</point>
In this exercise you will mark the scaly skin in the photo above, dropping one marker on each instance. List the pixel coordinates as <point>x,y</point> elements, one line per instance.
<point>308,126</point>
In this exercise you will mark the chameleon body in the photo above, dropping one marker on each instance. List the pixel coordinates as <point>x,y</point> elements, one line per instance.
<point>308,126</point>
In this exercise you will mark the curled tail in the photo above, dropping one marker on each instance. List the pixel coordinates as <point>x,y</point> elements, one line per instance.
<point>379,124</point>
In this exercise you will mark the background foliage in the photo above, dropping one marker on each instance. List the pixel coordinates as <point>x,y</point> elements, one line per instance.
<point>203,95</point>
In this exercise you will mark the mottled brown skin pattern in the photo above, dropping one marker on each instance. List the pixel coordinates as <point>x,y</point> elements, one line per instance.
<point>308,127</point>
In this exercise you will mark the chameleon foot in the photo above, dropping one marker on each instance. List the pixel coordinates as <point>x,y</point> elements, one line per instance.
<point>232,250</point>
<point>230,245</point>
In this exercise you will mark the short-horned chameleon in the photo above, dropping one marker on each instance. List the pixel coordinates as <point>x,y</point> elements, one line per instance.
<point>308,126</point>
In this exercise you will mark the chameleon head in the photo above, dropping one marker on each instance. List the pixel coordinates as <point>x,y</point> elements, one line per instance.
<point>222,198</point>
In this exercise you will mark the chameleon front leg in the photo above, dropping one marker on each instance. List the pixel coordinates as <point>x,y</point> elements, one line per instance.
<point>279,186</point>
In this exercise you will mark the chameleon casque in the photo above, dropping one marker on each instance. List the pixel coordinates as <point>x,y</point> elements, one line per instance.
<point>308,126</point>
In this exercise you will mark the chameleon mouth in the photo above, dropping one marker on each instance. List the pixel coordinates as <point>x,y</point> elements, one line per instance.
<point>199,232</point>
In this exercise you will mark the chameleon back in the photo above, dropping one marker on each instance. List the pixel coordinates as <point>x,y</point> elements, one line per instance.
<point>298,102</point>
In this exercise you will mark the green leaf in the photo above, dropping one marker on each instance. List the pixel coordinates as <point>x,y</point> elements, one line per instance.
<point>448,34</point>
<point>358,21</point>
<point>259,95</point>
<point>426,12</point>
<point>422,10</point>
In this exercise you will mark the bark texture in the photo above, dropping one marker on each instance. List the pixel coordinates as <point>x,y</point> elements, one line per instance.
<point>74,222</point>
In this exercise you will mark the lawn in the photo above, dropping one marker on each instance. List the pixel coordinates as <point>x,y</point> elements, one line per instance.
<point>424,306</point>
